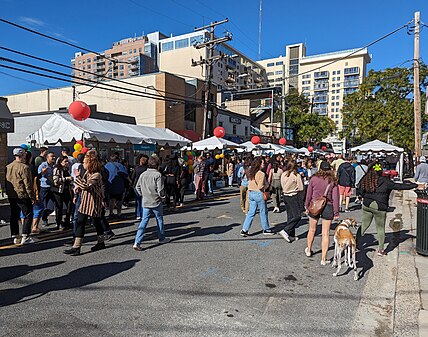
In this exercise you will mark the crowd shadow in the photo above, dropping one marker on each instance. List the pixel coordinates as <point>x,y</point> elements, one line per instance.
<point>75,279</point>
<point>15,271</point>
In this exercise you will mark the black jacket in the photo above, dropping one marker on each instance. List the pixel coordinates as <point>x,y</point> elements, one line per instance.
<point>346,174</point>
<point>382,192</point>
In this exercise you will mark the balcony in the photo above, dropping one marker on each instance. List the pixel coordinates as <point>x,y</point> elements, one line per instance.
<point>321,74</point>
<point>321,99</point>
<point>352,71</point>
<point>230,79</point>
<point>321,86</point>
<point>351,84</point>
<point>320,111</point>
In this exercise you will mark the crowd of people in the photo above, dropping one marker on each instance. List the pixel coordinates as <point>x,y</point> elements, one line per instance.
<point>86,190</point>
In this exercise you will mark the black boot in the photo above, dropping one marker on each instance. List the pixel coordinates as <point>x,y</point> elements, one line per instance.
<point>98,246</point>
<point>72,251</point>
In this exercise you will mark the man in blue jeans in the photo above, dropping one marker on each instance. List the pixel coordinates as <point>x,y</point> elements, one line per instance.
<point>150,185</point>
<point>45,172</point>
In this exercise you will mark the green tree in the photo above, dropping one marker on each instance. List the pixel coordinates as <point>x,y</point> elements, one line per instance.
<point>309,126</point>
<point>382,108</point>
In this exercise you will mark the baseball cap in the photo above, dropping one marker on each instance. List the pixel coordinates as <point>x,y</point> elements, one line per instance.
<point>422,159</point>
<point>19,152</point>
<point>325,166</point>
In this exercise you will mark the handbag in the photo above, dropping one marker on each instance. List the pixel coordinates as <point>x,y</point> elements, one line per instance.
<point>266,196</point>
<point>316,206</point>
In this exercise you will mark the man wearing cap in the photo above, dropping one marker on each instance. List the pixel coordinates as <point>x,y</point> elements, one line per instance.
<point>19,189</point>
<point>421,175</point>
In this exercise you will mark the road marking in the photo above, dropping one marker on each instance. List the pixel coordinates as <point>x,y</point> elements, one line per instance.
<point>224,216</point>
<point>262,244</point>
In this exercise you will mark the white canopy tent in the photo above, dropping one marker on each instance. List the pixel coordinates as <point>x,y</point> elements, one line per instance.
<point>377,147</point>
<point>213,143</point>
<point>64,129</point>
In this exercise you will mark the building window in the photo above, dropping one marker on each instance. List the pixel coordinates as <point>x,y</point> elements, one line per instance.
<point>194,40</point>
<point>306,82</point>
<point>307,76</point>
<point>337,97</point>
<point>270,64</point>
<point>338,91</point>
<point>332,116</point>
<point>338,85</point>
<point>333,79</point>
<point>280,63</point>
<point>333,85</point>
<point>278,72</point>
<point>338,72</point>
<point>337,122</point>
<point>140,50</point>
<point>337,103</point>
<point>270,73</point>
<point>166,46</point>
<point>183,43</point>
<point>89,66</point>
<point>337,109</point>
<point>334,72</point>
<point>234,129</point>
<point>337,115</point>
<point>246,131</point>
<point>338,78</point>
<point>121,67</point>
<point>121,74</point>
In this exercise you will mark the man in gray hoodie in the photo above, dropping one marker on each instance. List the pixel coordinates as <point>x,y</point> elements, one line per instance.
<point>150,186</point>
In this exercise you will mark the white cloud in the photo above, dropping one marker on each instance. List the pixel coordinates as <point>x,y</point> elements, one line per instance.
<point>32,21</point>
<point>62,37</point>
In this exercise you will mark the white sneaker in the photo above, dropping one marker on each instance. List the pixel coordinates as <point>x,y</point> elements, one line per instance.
<point>26,240</point>
<point>323,263</point>
<point>137,247</point>
<point>165,240</point>
<point>138,218</point>
<point>285,235</point>
<point>16,240</point>
<point>307,252</point>
<point>275,210</point>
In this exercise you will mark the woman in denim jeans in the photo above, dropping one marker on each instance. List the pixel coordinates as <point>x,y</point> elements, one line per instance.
<point>256,186</point>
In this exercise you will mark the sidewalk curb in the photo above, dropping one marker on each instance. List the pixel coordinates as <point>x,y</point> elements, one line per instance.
<point>390,301</point>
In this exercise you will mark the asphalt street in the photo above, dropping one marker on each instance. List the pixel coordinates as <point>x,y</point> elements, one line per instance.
<point>208,281</point>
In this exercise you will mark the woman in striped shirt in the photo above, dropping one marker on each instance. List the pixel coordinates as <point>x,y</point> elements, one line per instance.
<point>91,205</point>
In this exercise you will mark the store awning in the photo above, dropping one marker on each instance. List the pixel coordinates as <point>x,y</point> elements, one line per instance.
<point>64,129</point>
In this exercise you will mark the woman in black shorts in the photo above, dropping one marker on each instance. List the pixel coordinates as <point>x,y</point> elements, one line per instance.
<point>324,180</point>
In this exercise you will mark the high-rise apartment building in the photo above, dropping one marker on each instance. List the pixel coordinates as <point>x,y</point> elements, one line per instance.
<point>324,78</point>
<point>133,57</point>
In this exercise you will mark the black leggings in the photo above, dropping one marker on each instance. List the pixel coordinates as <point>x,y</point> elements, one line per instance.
<point>82,219</point>
<point>183,188</point>
<point>60,199</point>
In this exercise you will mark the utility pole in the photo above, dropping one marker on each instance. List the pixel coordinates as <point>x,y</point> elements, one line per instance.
<point>209,62</point>
<point>260,30</point>
<point>283,107</point>
<point>416,89</point>
<point>271,116</point>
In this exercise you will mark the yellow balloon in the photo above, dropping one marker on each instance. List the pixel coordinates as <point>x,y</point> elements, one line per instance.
<point>191,168</point>
<point>222,156</point>
<point>217,156</point>
<point>78,147</point>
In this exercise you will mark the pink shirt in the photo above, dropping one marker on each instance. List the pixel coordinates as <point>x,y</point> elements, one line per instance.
<point>316,189</point>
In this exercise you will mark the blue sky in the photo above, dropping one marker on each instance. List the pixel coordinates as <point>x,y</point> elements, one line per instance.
<point>324,26</point>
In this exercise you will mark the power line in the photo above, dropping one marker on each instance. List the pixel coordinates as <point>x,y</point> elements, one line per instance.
<point>58,40</point>
<point>87,72</point>
<point>159,13</point>
<point>76,82</point>
<point>88,80</point>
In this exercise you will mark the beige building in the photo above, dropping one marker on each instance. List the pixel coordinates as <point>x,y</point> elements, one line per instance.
<point>325,78</point>
<point>234,71</point>
<point>178,114</point>
<point>127,58</point>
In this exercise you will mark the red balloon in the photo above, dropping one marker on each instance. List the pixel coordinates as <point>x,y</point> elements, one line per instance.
<point>219,132</point>
<point>84,150</point>
<point>324,148</point>
<point>310,148</point>
<point>79,110</point>
<point>255,140</point>
<point>282,141</point>
<point>79,142</point>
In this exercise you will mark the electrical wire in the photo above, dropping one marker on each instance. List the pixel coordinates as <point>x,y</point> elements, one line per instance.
<point>58,40</point>
<point>87,72</point>
<point>88,80</point>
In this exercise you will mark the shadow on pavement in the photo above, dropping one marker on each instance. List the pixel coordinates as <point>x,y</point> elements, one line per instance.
<point>11,272</point>
<point>77,278</point>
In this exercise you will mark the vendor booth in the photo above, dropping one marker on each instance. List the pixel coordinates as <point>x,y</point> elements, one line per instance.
<point>113,136</point>
<point>214,143</point>
<point>393,154</point>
